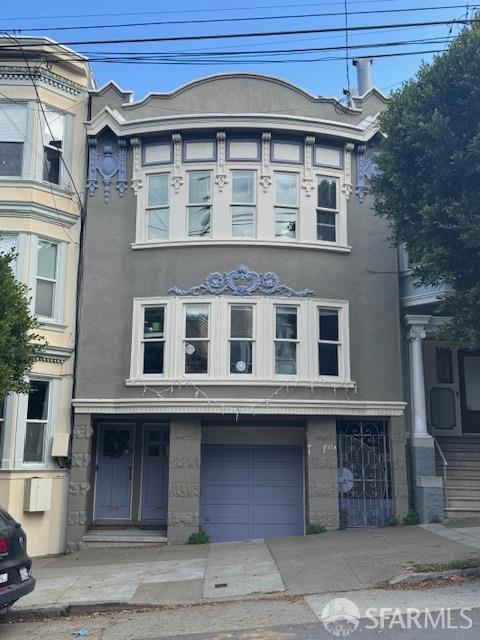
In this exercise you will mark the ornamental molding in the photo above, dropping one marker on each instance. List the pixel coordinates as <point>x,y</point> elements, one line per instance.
<point>136,182</point>
<point>308,182</point>
<point>221,179</point>
<point>108,163</point>
<point>347,184</point>
<point>241,282</point>
<point>177,178</point>
<point>39,74</point>
<point>266,175</point>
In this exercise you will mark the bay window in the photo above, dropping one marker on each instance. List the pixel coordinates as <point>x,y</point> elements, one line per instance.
<point>158,212</point>
<point>286,205</point>
<point>199,203</point>
<point>37,420</point>
<point>13,132</point>
<point>241,339</point>
<point>46,281</point>
<point>328,342</point>
<point>243,204</point>
<point>53,131</point>
<point>286,340</point>
<point>196,343</point>
<point>327,208</point>
<point>153,340</point>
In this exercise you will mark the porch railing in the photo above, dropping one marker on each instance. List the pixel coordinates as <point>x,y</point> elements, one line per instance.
<point>444,465</point>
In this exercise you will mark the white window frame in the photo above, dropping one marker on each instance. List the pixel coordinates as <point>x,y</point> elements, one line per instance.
<point>153,339</point>
<point>252,340</point>
<point>320,209</point>
<point>151,207</point>
<point>199,303</point>
<point>61,151</point>
<point>253,205</point>
<point>24,135</point>
<point>57,317</point>
<point>219,338</point>
<point>296,206</point>
<point>191,205</point>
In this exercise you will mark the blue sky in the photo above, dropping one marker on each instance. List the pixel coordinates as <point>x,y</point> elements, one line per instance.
<point>320,77</point>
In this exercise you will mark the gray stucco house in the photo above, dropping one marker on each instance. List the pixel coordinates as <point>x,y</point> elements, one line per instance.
<point>239,360</point>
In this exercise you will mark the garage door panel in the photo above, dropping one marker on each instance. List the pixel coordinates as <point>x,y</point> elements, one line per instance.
<point>275,514</point>
<point>227,474</point>
<point>275,493</point>
<point>278,475</point>
<point>276,530</point>
<point>227,513</point>
<point>226,454</point>
<point>226,493</point>
<point>275,455</point>
<point>225,532</point>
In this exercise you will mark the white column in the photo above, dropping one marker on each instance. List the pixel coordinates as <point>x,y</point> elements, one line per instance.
<point>416,334</point>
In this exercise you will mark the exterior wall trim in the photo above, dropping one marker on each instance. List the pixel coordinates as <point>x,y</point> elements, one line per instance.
<point>234,405</point>
<point>23,209</point>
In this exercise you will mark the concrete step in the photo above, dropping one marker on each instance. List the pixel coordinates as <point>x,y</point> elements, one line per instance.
<point>453,513</point>
<point>467,488</point>
<point>124,538</point>
<point>463,502</point>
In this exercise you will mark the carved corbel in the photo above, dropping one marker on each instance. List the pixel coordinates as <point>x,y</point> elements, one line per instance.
<point>308,183</point>
<point>122,167</point>
<point>360,188</point>
<point>221,178</point>
<point>266,177</point>
<point>136,183</point>
<point>347,183</point>
<point>92,166</point>
<point>177,178</point>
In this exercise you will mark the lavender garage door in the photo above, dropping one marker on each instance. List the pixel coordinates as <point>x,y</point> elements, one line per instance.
<point>251,491</point>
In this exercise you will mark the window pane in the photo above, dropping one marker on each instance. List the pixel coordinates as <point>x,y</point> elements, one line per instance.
<point>328,359</point>
<point>158,224</point>
<point>328,156</point>
<point>196,357</point>
<point>7,245</point>
<point>158,153</point>
<point>241,322</point>
<point>44,298</point>
<point>47,260</point>
<point>53,129</point>
<point>286,324</point>
<point>199,187</point>
<point>443,365</point>
<point>243,221</point>
<point>153,323</point>
<point>286,358</point>
<point>199,151</point>
<point>38,400</point>
<point>328,321</point>
<point>34,437</point>
<point>51,165</point>
<point>241,356</point>
<point>243,187</point>
<point>243,150</point>
<point>326,226</point>
<point>287,151</point>
<point>286,189</point>
<point>153,357</point>
<point>285,223</point>
<point>199,221</point>
<point>197,321</point>
<point>327,192</point>
<point>11,156</point>
<point>158,189</point>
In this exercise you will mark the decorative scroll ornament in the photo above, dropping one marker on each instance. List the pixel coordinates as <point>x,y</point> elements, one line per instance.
<point>347,184</point>
<point>366,168</point>
<point>108,164</point>
<point>308,182</point>
<point>177,178</point>
<point>266,177</point>
<point>136,183</point>
<point>241,282</point>
<point>221,178</point>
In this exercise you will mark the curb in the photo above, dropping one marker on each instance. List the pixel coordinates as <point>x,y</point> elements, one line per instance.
<point>414,578</point>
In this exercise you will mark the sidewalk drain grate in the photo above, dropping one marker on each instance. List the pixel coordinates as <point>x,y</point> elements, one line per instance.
<point>221,585</point>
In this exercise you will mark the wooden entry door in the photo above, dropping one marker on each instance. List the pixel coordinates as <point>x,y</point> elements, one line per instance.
<point>155,473</point>
<point>469,362</point>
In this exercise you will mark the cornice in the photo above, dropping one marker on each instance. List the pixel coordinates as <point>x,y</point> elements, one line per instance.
<point>20,209</point>
<point>40,74</point>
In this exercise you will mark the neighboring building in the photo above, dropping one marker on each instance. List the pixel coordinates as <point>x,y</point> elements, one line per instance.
<point>443,385</point>
<point>214,394</point>
<point>42,164</point>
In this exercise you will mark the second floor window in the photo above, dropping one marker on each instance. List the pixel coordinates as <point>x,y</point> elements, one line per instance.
<point>241,339</point>
<point>158,212</point>
<point>286,205</point>
<point>196,338</point>
<point>153,340</point>
<point>243,204</point>
<point>199,203</point>
<point>46,279</point>
<point>53,143</point>
<point>37,419</point>
<point>327,209</point>
<point>286,340</point>
<point>328,342</point>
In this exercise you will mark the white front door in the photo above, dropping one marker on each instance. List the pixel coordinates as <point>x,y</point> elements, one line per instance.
<point>442,389</point>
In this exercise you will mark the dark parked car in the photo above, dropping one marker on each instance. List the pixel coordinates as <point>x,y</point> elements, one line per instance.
<point>15,565</point>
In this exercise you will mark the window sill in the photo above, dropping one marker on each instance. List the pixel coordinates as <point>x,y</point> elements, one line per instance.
<point>251,382</point>
<point>51,325</point>
<point>29,182</point>
<point>285,244</point>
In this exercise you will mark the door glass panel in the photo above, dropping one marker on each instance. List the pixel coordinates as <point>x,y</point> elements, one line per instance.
<point>116,443</point>
<point>471,365</point>
<point>443,365</point>
<point>442,408</point>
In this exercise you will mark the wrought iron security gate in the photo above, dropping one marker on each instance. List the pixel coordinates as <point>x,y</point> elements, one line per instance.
<point>364,478</point>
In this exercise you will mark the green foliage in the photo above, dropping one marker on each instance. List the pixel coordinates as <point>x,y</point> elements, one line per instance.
<point>19,347</point>
<point>393,522</point>
<point>412,517</point>
<point>199,537</point>
<point>313,529</point>
<point>428,187</point>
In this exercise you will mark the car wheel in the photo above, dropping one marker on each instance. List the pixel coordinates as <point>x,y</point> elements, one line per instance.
<point>5,608</point>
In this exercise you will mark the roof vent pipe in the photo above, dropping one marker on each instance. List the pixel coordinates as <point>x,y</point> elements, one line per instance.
<point>364,74</point>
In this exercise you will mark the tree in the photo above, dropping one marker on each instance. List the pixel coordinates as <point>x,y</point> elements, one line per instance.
<point>428,185</point>
<point>20,347</point>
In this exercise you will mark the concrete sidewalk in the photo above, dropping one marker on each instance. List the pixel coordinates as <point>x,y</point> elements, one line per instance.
<point>335,561</point>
